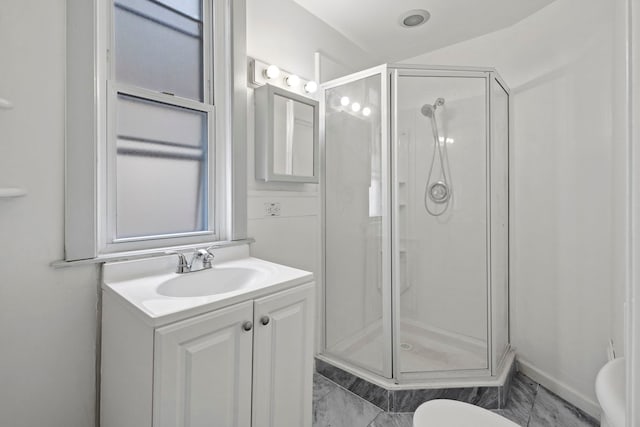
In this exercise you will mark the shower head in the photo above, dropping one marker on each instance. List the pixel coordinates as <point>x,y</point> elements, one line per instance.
<point>428,110</point>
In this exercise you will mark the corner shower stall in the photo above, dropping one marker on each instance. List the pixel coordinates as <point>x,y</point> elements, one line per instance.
<point>415,213</point>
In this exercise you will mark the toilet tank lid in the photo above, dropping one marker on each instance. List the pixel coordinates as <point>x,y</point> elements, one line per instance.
<point>610,390</point>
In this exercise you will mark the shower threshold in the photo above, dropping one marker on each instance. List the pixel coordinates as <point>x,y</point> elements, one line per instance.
<point>486,392</point>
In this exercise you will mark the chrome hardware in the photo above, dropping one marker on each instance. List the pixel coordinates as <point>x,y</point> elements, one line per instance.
<point>207,257</point>
<point>183,265</point>
<point>247,326</point>
<point>202,256</point>
<point>439,192</point>
<point>265,320</point>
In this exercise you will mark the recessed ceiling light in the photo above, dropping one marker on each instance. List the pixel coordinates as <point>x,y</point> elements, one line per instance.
<point>414,18</point>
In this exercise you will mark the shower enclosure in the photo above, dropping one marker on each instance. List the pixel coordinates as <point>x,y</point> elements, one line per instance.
<point>415,213</point>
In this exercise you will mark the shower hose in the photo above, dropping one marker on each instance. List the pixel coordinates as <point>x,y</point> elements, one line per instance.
<point>440,191</point>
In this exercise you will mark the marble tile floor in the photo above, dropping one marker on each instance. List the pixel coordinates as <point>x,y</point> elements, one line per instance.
<point>529,405</point>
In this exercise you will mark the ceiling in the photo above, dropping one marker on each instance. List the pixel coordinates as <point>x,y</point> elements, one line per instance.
<point>374,25</point>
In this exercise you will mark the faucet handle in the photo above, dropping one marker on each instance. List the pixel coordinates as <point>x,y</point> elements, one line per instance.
<point>183,264</point>
<point>207,256</point>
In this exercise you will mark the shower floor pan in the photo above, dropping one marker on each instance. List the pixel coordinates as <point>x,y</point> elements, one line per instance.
<point>421,349</point>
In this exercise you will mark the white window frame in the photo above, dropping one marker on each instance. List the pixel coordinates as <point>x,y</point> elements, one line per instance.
<point>107,237</point>
<point>90,139</point>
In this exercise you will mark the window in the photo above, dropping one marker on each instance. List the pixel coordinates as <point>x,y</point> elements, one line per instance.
<point>159,123</point>
<point>154,120</point>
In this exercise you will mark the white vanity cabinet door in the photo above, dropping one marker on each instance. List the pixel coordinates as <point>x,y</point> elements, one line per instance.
<point>202,370</point>
<point>283,358</point>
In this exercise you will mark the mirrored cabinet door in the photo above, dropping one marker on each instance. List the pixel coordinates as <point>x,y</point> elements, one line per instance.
<point>286,136</point>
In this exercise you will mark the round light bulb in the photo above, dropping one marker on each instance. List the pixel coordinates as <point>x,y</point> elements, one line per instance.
<point>366,111</point>
<point>344,101</point>
<point>292,80</point>
<point>311,87</point>
<point>272,72</point>
<point>355,107</point>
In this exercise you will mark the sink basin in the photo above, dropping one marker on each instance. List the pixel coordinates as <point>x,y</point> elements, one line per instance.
<point>214,281</point>
<point>153,288</point>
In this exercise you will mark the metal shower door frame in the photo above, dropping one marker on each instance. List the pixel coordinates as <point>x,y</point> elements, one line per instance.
<point>385,142</point>
<point>396,71</point>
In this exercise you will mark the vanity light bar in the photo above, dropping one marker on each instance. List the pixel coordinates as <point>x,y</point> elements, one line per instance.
<point>261,73</point>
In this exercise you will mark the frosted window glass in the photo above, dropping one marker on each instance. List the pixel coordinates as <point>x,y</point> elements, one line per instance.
<point>159,49</point>
<point>139,118</point>
<point>161,174</point>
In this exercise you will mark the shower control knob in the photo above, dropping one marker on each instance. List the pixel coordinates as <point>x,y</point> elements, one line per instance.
<point>265,320</point>
<point>247,326</point>
<point>439,192</point>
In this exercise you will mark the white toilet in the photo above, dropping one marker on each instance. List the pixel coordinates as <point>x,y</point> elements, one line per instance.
<point>610,390</point>
<point>451,413</point>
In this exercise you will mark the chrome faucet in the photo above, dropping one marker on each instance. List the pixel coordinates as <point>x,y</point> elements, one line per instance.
<point>204,256</point>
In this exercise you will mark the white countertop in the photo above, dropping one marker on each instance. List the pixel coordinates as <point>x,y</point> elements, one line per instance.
<point>142,285</point>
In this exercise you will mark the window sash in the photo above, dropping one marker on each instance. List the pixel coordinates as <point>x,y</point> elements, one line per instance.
<point>108,242</point>
<point>208,20</point>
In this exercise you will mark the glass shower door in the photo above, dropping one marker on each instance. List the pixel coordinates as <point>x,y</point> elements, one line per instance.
<point>357,222</point>
<point>441,224</point>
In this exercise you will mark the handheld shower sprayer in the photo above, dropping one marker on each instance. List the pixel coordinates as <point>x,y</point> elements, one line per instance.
<point>438,190</point>
<point>428,110</point>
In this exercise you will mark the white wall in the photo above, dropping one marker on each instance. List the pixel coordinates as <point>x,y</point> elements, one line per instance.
<point>633,288</point>
<point>283,33</point>
<point>47,316</point>
<point>565,67</point>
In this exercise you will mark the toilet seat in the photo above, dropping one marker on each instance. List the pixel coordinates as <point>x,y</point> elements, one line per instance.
<point>451,413</point>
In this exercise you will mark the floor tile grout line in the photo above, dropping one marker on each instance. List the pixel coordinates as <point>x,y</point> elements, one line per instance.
<point>360,397</point>
<point>332,382</point>
<point>533,403</point>
<point>349,391</point>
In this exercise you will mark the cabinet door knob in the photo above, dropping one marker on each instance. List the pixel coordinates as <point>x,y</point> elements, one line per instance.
<point>265,320</point>
<point>247,326</point>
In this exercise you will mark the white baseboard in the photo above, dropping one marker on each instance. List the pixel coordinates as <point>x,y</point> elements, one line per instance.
<point>561,389</point>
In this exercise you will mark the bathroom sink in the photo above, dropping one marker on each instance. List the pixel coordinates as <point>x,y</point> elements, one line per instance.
<point>154,289</point>
<point>209,282</point>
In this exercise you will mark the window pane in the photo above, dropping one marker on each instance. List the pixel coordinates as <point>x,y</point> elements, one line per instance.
<point>192,8</point>
<point>161,175</point>
<point>158,48</point>
<point>139,118</point>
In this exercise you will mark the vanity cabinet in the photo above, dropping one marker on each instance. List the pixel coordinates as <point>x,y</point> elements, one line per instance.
<point>283,359</point>
<point>245,365</point>
<point>202,370</point>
